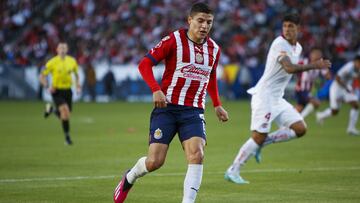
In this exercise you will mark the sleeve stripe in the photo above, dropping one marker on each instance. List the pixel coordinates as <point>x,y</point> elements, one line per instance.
<point>155,62</point>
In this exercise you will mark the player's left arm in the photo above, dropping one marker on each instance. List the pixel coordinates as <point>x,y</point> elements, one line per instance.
<point>43,80</point>
<point>289,67</point>
<point>342,83</point>
<point>344,72</point>
<point>213,91</point>
<point>145,69</point>
<point>77,80</point>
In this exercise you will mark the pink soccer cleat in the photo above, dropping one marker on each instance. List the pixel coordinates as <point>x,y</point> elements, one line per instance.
<point>122,189</point>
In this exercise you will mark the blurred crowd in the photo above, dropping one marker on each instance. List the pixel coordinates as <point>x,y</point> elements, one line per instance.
<point>122,31</point>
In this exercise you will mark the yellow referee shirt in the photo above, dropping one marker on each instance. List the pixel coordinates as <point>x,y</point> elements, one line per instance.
<point>61,71</point>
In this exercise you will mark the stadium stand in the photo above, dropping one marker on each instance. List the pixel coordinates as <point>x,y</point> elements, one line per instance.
<point>121,32</point>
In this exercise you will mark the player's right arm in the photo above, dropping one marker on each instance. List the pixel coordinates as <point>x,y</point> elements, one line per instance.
<point>145,68</point>
<point>44,73</point>
<point>289,67</point>
<point>43,81</point>
<point>155,55</point>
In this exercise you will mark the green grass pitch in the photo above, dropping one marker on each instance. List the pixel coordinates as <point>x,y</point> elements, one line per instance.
<point>36,167</point>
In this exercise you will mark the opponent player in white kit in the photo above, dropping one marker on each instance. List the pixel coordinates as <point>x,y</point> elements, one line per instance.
<point>341,91</point>
<point>268,104</point>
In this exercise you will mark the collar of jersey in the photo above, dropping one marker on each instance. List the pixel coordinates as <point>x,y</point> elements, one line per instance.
<point>288,41</point>
<point>186,33</point>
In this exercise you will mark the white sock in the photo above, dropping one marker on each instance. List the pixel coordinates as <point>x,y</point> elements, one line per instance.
<point>354,114</point>
<point>246,151</point>
<point>281,135</point>
<point>139,170</point>
<point>307,110</point>
<point>325,114</point>
<point>192,182</point>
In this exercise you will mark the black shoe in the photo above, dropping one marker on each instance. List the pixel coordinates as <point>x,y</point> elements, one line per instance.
<point>48,110</point>
<point>68,140</point>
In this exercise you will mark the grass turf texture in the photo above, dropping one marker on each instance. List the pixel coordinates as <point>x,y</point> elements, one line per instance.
<point>35,166</point>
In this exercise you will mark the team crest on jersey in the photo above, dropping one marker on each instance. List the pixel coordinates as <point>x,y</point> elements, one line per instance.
<point>199,58</point>
<point>158,134</point>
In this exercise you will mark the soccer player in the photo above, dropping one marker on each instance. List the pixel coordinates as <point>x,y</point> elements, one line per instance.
<point>191,59</point>
<point>306,103</point>
<point>341,91</point>
<point>61,68</point>
<point>268,104</point>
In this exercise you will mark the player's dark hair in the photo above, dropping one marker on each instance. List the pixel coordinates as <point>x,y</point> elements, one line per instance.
<point>292,17</point>
<point>315,48</point>
<point>62,42</point>
<point>200,8</point>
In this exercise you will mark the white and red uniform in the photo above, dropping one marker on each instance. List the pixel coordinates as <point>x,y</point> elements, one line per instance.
<point>190,69</point>
<point>338,94</point>
<point>267,102</point>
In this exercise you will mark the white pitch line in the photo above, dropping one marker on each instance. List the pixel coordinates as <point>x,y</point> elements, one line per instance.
<point>288,170</point>
<point>55,179</point>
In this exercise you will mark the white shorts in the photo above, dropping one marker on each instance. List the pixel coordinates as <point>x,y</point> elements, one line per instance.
<point>265,110</point>
<point>339,95</point>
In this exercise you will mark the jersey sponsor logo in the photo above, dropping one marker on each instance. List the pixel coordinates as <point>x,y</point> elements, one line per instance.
<point>158,134</point>
<point>193,72</point>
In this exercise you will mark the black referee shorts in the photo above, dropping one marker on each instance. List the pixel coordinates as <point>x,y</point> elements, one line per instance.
<point>62,96</point>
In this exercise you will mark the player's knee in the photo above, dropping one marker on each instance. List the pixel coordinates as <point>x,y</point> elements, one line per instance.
<point>196,157</point>
<point>258,138</point>
<point>299,128</point>
<point>64,115</point>
<point>300,131</point>
<point>64,112</point>
<point>316,105</point>
<point>334,112</point>
<point>153,164</point>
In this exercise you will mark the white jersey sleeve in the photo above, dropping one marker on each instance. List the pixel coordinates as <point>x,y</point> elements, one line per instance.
<point>279,51</point>
<point>347,73</point>
<point>275,78</point>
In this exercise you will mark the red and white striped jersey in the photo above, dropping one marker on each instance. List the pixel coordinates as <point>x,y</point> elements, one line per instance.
<point>188,68</point>
<point>305,80</point>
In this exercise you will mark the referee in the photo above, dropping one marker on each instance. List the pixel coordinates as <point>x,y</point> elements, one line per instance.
<point>61,68</point>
